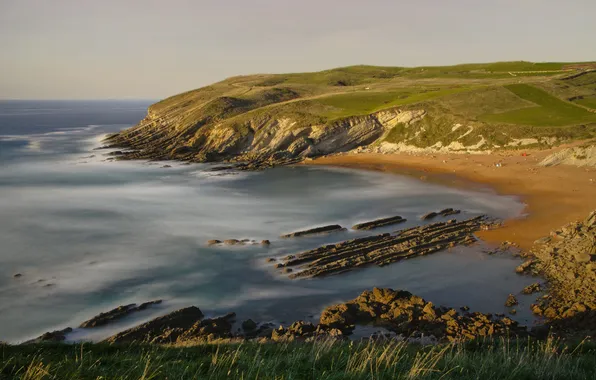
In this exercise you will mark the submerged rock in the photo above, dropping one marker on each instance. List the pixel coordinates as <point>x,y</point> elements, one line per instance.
<point>444,212</point>
<point>511,301</point>
<point>532,288</point>
<point>315,231</point>
<point>429,215</point>
<point>379,223</point>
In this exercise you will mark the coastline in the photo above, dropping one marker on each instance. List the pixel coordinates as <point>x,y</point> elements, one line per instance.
<point>554,196</point>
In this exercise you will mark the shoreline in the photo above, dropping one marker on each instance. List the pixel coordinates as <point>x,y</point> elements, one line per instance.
<point>553,196</point>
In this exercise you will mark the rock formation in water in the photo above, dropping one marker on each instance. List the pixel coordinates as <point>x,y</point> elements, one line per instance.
<point>315,231</point>
<point>383,249</point>
<point>379,223</point>
<point>116,314</point>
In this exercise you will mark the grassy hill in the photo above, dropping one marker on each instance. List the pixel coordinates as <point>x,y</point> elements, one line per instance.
<point>466,107</point>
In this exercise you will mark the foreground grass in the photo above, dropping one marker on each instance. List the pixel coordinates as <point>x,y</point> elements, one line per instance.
<point>550,111</point>
<point>323,360</point>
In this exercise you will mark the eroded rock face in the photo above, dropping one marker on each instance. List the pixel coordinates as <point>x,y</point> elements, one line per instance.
<point>404,313</point>
<point>568,261</point>
<point>383,249</point>
<point>53,336</point>
<point>116,314</point>
<point>165,329</point>
<point>208,330</point>
<point>261,142</point>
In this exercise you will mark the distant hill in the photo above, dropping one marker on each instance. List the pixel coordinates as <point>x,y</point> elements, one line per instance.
<point>461,108</point>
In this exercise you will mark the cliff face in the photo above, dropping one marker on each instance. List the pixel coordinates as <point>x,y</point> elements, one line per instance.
<point>287,117</point>
<point>157,137</point>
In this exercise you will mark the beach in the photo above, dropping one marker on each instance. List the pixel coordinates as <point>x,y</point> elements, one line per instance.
<point>553,195</point>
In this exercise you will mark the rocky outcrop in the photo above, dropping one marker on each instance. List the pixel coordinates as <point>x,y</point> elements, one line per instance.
<point>404,313</point>
<point>511,301</point>
<point>568,261</point>
<point>165,329</point>
<point>577,156</point>
<point>315,231</point>
<point>208,330</point>
<point>398,311</point>
<point>379,223</point>
<point>116,314</point>
<point>383,249</point>
<point>257,142</point>
<point>52,336</point>
<point>444,212</point>
<point>532,288</point>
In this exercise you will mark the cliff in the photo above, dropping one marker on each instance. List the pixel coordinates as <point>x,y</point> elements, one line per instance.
<point>287,117</point>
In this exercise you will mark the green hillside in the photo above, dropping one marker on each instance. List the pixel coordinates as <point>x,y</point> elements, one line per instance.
<point>548,110</point>
<point>469,106</point>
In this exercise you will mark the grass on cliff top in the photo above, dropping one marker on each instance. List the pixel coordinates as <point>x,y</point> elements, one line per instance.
<point>334,80</point>
<point>500,359</point>
<point>549,110</point>
<point>366,102</point>
<point>589,102</point>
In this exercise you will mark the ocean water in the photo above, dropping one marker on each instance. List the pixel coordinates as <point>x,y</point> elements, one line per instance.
<point>88,235</point>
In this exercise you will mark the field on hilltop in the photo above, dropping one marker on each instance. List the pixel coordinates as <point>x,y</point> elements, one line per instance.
<point>470,107</point>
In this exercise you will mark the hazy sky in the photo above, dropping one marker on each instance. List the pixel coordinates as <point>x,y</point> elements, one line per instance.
<point>73,49</point>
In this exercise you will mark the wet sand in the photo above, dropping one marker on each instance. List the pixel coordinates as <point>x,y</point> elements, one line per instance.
<point>553,195</point>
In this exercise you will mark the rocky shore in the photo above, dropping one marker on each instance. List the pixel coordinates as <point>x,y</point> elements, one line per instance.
<point>567,260</point>
<point>396,311</point>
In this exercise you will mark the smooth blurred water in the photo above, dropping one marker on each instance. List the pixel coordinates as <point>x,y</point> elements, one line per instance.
<point>88,235</point>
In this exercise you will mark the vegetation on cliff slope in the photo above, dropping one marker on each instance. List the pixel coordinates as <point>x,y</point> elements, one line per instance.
<point>329,359</point>
<point>466,107</point>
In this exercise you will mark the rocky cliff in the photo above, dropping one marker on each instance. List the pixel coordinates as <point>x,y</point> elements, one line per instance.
<point>284,118</point>
<point>157,137</point>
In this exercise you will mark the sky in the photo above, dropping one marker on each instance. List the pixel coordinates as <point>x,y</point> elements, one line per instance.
<point>146,49</point>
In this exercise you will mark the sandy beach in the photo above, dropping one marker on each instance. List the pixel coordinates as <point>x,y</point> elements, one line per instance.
<point>553,195</point>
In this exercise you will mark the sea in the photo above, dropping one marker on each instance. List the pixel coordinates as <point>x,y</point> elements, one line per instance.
<point>81,234</point>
